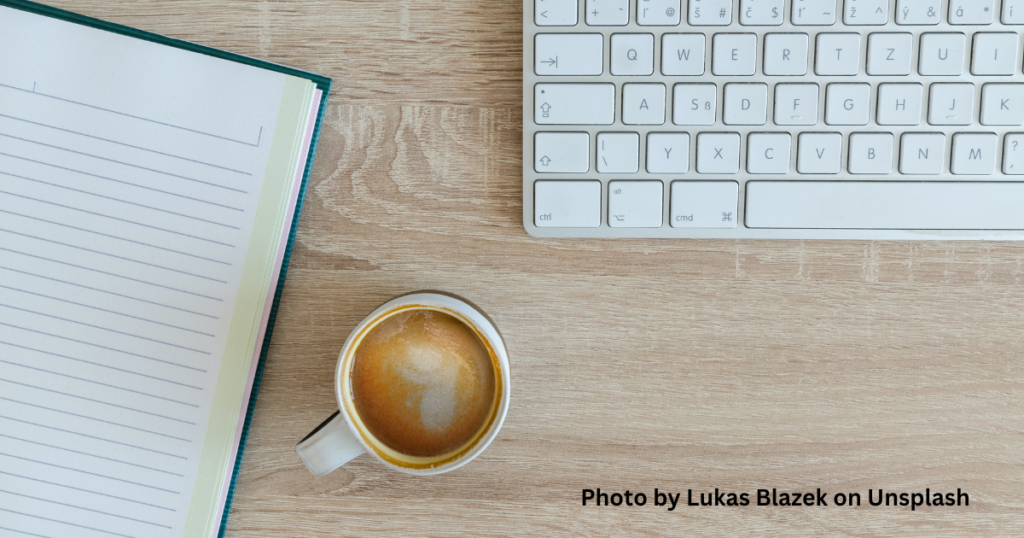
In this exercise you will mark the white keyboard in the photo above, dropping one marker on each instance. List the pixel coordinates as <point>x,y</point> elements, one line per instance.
<point>831,119</point>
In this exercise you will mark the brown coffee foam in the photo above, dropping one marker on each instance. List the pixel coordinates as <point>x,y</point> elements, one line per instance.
<point>423,383</point>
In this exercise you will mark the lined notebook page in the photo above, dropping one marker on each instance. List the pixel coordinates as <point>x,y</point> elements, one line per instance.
<point>129,178</point>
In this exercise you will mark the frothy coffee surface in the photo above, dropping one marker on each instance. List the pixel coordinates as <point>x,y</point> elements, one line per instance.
<point>423,383</point>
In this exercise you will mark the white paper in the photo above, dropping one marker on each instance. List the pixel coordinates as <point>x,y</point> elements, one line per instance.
<point>130,173</point>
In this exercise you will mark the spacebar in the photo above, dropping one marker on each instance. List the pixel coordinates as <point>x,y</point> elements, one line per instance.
<point>888,205</point>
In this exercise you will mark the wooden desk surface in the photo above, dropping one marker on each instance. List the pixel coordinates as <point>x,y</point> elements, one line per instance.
<point>636,364</point>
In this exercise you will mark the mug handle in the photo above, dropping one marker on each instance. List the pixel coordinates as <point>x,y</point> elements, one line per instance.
<point>329,446</point>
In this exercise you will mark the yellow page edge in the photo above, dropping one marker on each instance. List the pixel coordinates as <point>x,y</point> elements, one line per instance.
<point>247,317</point>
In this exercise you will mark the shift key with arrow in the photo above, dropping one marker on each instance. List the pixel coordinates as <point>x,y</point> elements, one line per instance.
<point>569,54</point>
<point>561,153</point>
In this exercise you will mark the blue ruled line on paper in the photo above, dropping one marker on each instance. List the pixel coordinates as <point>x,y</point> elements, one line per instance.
<point>110,274</point>
<point>100,327</point>
<point>84,490</point>
<point>200,200</point>
<point>115,256</point>
<point>107,292</point>
<point>106,310</point>
<point>171,125</point>
<point>91,456</point>
<point>80,210</point>
<point>103,347</point>
<point>83,508</point>
<point>92,437</point>
<point>69,395</point>
<point>90,473</point>
<point>23,532</point>
<point>100,383</point>
<point>111,198</point>
<point>94,137</point>
<point>87,417</point>
<point>155,171</point>
<point>65,523</point>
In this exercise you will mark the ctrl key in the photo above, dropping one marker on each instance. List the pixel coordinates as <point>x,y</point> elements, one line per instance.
<point>704,204</point>
<point>567,204</point>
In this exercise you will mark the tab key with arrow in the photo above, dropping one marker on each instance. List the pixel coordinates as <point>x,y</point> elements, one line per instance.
<point>569,54</point>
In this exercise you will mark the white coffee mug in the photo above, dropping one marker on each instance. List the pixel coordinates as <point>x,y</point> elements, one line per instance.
<point>343,436</point>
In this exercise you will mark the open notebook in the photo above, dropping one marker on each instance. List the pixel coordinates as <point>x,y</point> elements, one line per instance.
<point>149,191</point>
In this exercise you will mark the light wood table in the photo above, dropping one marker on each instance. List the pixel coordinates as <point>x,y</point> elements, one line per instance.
<point>636,364</point>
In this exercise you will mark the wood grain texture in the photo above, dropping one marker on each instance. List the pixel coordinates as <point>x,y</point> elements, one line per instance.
<point>636,363</point>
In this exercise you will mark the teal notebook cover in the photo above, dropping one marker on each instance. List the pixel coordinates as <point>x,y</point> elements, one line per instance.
<point>321,82</point>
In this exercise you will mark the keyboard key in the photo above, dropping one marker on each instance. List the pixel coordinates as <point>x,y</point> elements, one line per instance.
<point>796,104</point>
<point>819,153</point>
<point>657,13</point>
<point>884,205</point>
<point>974,154</point>
<point>899,104</point>
<point>618,153</point>
<point>814,12</point>
<point>1002,104</point>
<point>922,153</point>
<point>668,153</point>
<point>837,54</point>
<point>870,153</point>
<point>762,12</point>
<point>682,54</point>
<point>561,152</point>
<point>847,104</point>
<point>994,54</point>
<point>632,54</point>
<point>568,54</point>
<point>918,12</point>
<point>1013,12</point>
<point>567,204</point>
<point>745,104</point>
<point>866,12</point>
<point>785,54</point>
<point>718,153</point>
<point>734,54</point>
<point>643,104</point>
<point>1013,154</point>
<point>574,104</point>
<point>704,204</point>
<point>694,104</point>
<point>635,204</point>
<point>710,13</point>
<point>951,104</point>
<point>607,12</point>
<point>942,54</point>
<point>555,12</point>
<point>971,11</point>
<point>768,153</point>
<point>889,54</point>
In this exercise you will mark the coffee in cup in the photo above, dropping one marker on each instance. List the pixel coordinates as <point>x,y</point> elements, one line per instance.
<point>423,385</point>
